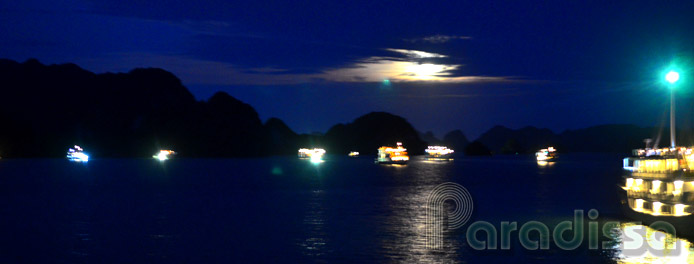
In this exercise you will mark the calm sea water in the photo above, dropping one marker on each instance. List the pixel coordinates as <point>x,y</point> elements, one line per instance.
<point>285,210</point>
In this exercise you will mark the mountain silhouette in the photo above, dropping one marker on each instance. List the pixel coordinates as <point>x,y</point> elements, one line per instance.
<point>601,138</point>
<point>503,140</point>
<point>456,140</point>
<point>477,148</point>
<point>47,108</point>
<point>44,109</point>
<point>371,131</point>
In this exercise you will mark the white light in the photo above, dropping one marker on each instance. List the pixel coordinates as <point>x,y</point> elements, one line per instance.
<point>75,154</point>
<point>81,157</point>
<point>672,76</point>
<point>315,155</point>
<point>164,155</point>
<point>316,159</point>
<point>678,187</point>
<point>438,150</point>
<point>679,209</point>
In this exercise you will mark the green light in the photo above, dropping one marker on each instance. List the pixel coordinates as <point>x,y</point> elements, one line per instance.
<point>672,77</point>
<point>386,82</point>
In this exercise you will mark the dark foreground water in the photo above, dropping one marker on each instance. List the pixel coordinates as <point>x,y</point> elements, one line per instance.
<point>287,210</point>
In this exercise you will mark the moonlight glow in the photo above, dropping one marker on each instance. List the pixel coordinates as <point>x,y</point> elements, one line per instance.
<point>408,66</point>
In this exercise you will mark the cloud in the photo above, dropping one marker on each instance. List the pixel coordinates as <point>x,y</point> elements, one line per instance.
<point>438,39</point>
<point>408,67</point>
<point>416,54</point>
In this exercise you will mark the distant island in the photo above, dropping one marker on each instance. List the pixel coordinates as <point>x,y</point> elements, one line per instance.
<point>44,109</point>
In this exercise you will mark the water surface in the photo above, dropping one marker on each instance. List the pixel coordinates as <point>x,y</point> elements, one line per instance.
<point>282,209</point>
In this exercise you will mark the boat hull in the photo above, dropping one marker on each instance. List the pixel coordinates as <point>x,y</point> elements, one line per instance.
<point>684,225</point>
<point>552,158</point>
<point>439,157</point>
<point>390,162</point>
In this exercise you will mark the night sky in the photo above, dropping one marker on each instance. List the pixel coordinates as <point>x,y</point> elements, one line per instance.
<point>443,66</point>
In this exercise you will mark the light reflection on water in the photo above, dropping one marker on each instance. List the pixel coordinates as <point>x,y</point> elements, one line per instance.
<point>407,219</point>
<point>315,243</point>
<point>82,242</point>
<point>543,163</point>
<point>160,237</point>
<point>666,248</point>
<point>80,213</point>
<point>288,210</point>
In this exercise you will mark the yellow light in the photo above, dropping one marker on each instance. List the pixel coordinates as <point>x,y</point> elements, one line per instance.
<point>393,154</point>
<point>656,186</point>
<point>316,153</point>
<point>629,183</point>
<point>656,207</point>
<point>638,204</point>
<point>661,247</point>
<point>424,71</point>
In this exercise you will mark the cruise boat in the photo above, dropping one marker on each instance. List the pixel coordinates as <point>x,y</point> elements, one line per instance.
<point>164,154</point>
<point>438,153</point>
<point>548,154</point>
<point>354,154</point>
<point>658,185</point>
<point>77,154</point>
<point>392,155</point>
<point>315,155</point>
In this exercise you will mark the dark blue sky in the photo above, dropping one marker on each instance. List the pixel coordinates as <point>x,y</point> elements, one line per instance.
<point>449,65</point>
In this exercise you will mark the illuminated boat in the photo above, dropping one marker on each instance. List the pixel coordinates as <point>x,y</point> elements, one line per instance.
<point>438,153</point>
<point>164,154</point>
<point>77,154</point>
<point>354,154</point>
<point>315,155</point>
<point>548,154</point>
<point>658,185</point>
<point>392,155</point>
